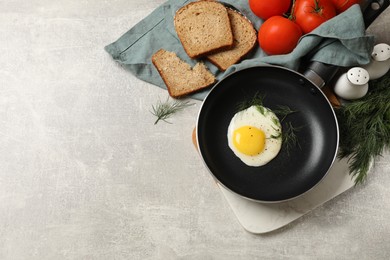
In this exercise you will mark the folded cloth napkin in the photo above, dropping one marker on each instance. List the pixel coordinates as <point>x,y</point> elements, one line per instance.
<point>340,41</point>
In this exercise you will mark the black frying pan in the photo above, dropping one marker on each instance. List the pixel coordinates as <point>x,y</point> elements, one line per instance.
<point>294,171</point>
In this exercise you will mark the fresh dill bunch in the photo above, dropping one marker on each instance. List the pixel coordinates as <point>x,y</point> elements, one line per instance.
<point>164,110</point>
<point>365,128</point>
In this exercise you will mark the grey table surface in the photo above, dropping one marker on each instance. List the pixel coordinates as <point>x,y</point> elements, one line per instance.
<point>85,174</point>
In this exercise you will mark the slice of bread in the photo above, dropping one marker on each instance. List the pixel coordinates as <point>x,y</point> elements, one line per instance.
<point>178,75</point>
<point>203,27</point>
<point>245,39</point>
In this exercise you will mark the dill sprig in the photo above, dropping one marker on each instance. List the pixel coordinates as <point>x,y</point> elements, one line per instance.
<point>164,110</point>
<point>256,100</point>
<point>283,111</point>
<point>290,138</point>
<point>365,128</point>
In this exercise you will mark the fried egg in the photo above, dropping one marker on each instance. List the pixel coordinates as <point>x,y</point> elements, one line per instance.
<point>255,135</point>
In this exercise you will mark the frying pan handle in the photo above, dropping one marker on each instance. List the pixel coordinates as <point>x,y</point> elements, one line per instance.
<point>373,9</point>
<point>320,73</point>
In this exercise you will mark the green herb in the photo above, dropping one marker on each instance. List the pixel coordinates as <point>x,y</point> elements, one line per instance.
<point>365,128</point>
<point>289,137</point>
<point>276,136</point>
<point>277,129</point>
<point>283,111</point>
<point>276,121</point>
<point>257,100</point>
<point>261,109</point>
<point>164,110</point>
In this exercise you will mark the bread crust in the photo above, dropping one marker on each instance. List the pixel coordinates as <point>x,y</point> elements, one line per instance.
<point>206,41</point>
<point>251,41</point>
<point>206,78</point>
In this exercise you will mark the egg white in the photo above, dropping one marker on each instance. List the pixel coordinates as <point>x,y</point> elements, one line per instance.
<point>261,118</point>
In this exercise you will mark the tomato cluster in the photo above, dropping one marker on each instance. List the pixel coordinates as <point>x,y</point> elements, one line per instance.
<point>279,34</point>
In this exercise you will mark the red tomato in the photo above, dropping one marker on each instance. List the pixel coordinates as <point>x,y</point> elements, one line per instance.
<point>309,14</point>
<point>278,35</point>
<point>342,5</point>
<point>267,8</point>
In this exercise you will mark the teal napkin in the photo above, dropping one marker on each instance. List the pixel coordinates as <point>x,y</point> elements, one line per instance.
<point>340,41</point>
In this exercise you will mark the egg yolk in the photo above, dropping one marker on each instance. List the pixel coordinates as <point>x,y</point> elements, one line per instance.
<point>249,140</point>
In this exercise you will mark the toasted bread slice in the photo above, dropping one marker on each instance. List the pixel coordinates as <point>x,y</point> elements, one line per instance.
<point>203,27</point>
<point>245,38</point>
<point>178,75</point>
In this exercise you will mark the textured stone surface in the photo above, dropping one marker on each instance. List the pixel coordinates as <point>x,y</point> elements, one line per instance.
<point>84,173</point>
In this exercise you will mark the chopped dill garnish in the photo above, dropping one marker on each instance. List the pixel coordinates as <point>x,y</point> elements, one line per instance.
<point>164,110</point>
<point>261,109</point>
<point>276,121</point>
<point>276,136</point>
